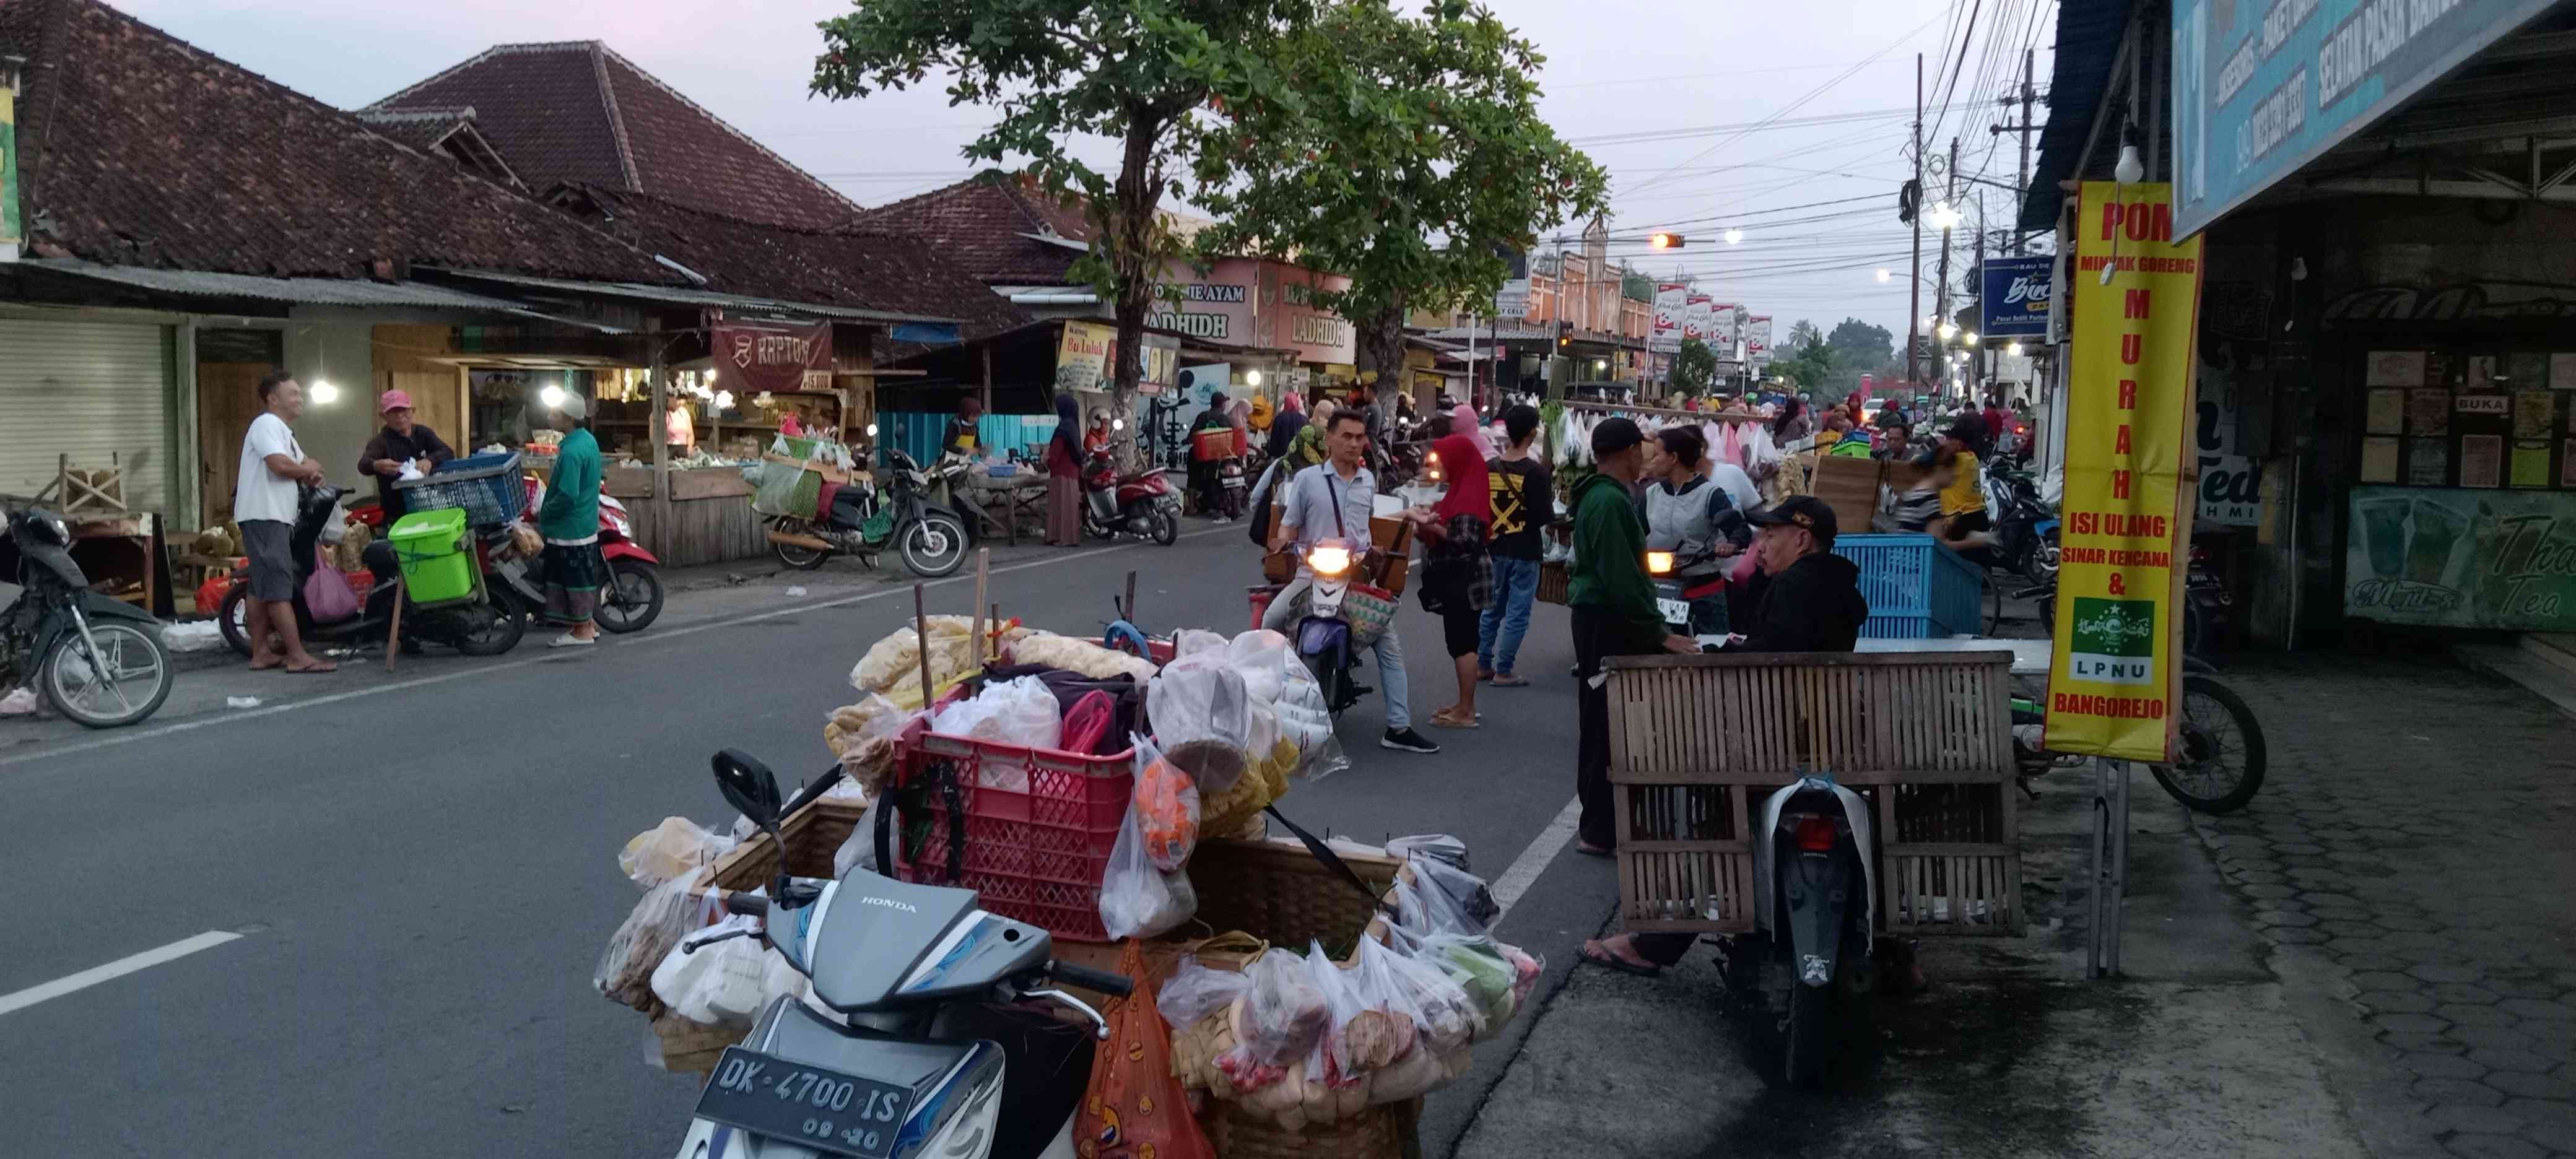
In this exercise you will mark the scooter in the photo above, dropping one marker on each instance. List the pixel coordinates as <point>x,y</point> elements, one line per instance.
<point>1138,506</point>
<point>1674,597</point>
<point>921,1035</point>
<point>2025,529</point>
<point>633,599</point>
<point>1813,889</point>
<point>98,660</point>
<point>931,539</point>
<point>488,624</point>
<point>1232,487</point>
<point>1323,638</point>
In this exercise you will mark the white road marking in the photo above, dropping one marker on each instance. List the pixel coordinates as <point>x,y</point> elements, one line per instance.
<point>1524,869</point>
<point>963,576</point>
<point>10,1003</point>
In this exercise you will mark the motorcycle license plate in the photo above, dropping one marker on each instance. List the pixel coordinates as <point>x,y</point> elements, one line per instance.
<point>1675,611</point>
<point>813,1107</point>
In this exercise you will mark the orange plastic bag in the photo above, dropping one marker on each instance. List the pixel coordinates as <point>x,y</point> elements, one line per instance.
<point>1135,1108</point>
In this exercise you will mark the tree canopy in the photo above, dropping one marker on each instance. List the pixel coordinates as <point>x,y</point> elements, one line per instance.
<point>1694,367</point>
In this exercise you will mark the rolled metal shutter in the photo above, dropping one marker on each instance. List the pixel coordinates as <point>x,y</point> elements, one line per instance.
<point>89,390</point>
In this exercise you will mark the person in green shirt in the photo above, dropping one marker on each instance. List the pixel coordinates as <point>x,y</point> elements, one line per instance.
<point>1614,613</point>
<point>569,523</point>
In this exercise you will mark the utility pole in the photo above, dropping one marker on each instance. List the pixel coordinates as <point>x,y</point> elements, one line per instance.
<point>1942,312</point>
<point>1914,301</point>
<point>2022,130</point>
<point>1977,353</point>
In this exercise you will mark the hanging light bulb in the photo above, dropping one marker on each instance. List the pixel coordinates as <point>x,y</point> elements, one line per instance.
<point>2129,171</point>
<point>552,396</point>
<point>872,430</point>
<point>324,392</point>
<point>1946,330</point>
<point>1971,339</point>
<point>1734,236</point>
<point>1882,275</point>
<point>2012,349</point>
<point>1252,378</point>
<point>724,400</point>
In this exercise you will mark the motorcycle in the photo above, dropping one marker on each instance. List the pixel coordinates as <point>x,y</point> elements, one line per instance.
<point>931,539</point>
<point>1323,636</point>
<point>98,661</point>
<point>2025,529</point>
<point>1813,892</point>
<point>1232,487</point>
<point>921,1035</point>
<point>1675,597</point>
<point>633,598</point>
<point>1142,505</point>
<point>487,624</point>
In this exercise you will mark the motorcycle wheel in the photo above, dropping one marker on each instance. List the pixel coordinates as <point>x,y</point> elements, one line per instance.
<point>2222,747</point>
<point>1334,680</point>
<point>1810,1012</point>
<point>800,558</point>
<point>633,599</point>
<point>509,622</point>
<point>932,546</point>
<point>233,616</point>
<point>136,669</point>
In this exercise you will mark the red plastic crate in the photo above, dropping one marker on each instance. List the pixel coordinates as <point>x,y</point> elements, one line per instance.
<point>1035,857</point>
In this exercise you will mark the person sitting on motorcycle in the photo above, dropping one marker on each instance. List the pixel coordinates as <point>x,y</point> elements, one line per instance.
<point>1204,456</point>
<point>1694,519</point>
<point>1919,509</point>
<point>1813,604</point>
<point>1095,438</point>
<point>1335,501</point>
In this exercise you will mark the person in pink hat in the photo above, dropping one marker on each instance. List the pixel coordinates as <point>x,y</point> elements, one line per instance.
<point>401,441</point>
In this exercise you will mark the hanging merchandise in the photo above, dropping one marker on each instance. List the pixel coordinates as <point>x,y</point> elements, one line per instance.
<point>1133,1105</point>
<point>1136,899</point>
<point>667,911</point>
<point>1166,808</point>
<point>668,850</point>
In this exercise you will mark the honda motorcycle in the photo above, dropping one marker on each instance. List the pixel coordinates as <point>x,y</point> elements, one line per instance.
<point>1323,636</point>
<point>861,521</point>
<point>488,623</point>
<point>97,660</point>
<point>1138,506</point>
<point>923,1033</point>
<point>2025,529</point>
<point>1810,955</point>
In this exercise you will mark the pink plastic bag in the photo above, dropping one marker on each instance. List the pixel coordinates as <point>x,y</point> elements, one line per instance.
<point>328,596</point>
<point>1087,723</point>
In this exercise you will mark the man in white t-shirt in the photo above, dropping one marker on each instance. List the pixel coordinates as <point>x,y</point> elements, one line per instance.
<point>265,492</point>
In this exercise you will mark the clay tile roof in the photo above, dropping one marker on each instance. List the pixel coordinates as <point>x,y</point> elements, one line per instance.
<point>982,224</point>
<point>447,133</point>
<point>840,267</point>
<point>137,149</point>
<point>577,112</point>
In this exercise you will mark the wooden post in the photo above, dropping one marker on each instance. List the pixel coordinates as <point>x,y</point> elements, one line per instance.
<point>988,378</point>
<point>921,634</point>
<point>983,571</point>
<point>660,375</point>
<point>1129,612</point>
<point>393,635</point>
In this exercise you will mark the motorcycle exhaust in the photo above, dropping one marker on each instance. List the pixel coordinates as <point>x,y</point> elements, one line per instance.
<point>792,539</point>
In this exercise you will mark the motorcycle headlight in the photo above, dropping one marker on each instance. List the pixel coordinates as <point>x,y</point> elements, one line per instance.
<point>1329,560</point>
<point>1659,563</point>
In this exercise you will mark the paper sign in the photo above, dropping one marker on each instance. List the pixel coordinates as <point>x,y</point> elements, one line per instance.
<point>2428,462</point>
<point>2483,404</point>
<point>2481,460</point>
<point>2562,371</point>
<point>2379,460</point>
<point>2396,368</point>
<point>2535,413</point>
<point>2387,412</point>
<point>2531,464</point>
<point>2428,411</point>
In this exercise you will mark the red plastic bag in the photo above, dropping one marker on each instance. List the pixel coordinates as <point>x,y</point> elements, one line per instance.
<point>1086,724</point>
<point>1135,1107</point>
<point>328,594</point>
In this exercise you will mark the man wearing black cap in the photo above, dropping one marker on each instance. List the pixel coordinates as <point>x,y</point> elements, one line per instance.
<point>1813,605</point>
<point>1614,612</point>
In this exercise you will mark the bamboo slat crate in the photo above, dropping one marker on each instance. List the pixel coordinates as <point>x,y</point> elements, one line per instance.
<point>1697,742</point>
<point>1555,583</point>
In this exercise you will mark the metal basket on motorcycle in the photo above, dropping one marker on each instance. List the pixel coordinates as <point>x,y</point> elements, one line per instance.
<point>1029,829</point>
<point>486,487</point>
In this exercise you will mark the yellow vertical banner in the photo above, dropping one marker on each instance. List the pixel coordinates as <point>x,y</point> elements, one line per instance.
<point>2114,668</point>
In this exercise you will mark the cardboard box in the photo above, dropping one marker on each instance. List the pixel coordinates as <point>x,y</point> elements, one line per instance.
<point>1850,487</point>
<point>1392,576</point>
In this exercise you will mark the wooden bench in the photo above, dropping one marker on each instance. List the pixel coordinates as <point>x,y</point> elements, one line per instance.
<point>1696,743</point>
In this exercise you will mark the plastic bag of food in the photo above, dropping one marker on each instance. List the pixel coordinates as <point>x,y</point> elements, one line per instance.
<point>1137,900</point>
<point>720,983</point>
<point>1019,712</point>
<point>1451,898</point>
<point>1439,846</point>
<point>1081,656</point>
<point>1495,980</point>
<point>1442,1012</point>
<point>1194,991</point>
<point>1166,807</point>
<point>1190,641</point>
<point>1203,718</point>
<point>1283,1012</point>
<point>669,849</point>
<point>1306,722</point>
<point>894,662</point>
<point>667,911</point>
<point>863,735</point>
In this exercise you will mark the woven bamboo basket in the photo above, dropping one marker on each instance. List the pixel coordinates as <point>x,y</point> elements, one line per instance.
<point>1555,583</point>
<point>814,833</point>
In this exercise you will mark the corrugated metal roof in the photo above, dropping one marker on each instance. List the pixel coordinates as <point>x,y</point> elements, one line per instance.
<point>2088,39</point>
<point>303,291</point>
<point>673,295</point>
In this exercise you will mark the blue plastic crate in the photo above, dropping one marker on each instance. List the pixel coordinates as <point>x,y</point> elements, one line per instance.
<point>489,487</point>
<point>1917,589</point>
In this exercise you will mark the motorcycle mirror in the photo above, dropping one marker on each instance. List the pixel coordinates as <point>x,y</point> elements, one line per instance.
<point>748,786</point>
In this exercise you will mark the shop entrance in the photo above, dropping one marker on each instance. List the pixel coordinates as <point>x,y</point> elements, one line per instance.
<point>230,363</point>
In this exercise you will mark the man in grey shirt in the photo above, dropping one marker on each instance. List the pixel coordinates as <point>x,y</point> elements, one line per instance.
<point>1334,501</point>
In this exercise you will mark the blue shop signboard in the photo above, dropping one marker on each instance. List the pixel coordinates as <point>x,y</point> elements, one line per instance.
<point>2016,297</point>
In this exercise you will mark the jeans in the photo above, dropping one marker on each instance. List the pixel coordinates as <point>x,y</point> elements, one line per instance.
<point>1288,607</point>
<point>1506,618</point>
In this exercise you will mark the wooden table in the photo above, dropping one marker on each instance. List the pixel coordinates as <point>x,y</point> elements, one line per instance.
<point>1021,496</point>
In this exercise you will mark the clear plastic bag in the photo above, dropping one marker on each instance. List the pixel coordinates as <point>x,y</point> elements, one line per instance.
<point>1441,846</point>
<point>1020,712</point>
<point>712,982</point>
<point>1425,909</point>
<point>1284,1012</point>
<point>1496,978</point>
<point>1203,717</point>
<point>1166,807</point>
<point>1136,900</point>
<point>669,849</point>
<point>666,912</point>
<point>1306,722</point>
<point>1194,991</point>
<point>1447,1020</point>
<point>1459,900</point>
<point>1191,641</point>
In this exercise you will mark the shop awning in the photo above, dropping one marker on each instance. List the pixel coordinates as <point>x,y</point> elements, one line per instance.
<point>1488,335</point>
<point>683,296</point>
<point>297,291</point>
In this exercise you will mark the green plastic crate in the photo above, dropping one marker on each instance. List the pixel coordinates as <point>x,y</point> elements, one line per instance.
<point>436,567</point>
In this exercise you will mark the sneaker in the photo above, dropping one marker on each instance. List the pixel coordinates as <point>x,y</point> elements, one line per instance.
<point>1408,740</point>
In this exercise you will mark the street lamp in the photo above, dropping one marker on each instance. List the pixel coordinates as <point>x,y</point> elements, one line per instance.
<point>1971,339</point>
<point>2012,349</point>
<point>1882,275</point>
<point>1733,236</point>
<point>1946,330</point>
<point>1944,216</point>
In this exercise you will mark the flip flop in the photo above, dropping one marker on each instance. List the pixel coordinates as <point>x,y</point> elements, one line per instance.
<point>318,666</point>
<point>1508,680</point>
<point>1590,850</point>
<point>270,666</point>
<point>1439,721</point>
<point>1609,961</point>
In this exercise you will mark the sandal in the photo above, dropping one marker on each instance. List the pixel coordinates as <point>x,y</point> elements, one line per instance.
<point>1508,680</point>
<point>1610,961</point>
<point>1443,720</point>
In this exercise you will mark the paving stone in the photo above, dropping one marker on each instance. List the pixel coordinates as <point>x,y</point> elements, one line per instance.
<point>2491,1036</point>
<point>2385,980</point>
<point>2461,992</point>
<point>2296,936</point>
<point>2363,960</point>
<point>2416,1041</point>
<point>2397,1002</point>
<point>2473,1014</point>
<point>2547,1119</point>
<point>2536,1009</point>
<point>2423,940</point>
<point>2410,1024</point>
<point>2493,1147</point>
<point>2277,917</point>
<point>2298,849</point>
<point>2425,1064</point>
<point>2505,1057</point>
<point>2451,1092</point>
<point>2268,892</point>
<point>2514,1083</point>
<point>2435,973</point>
<point>2405,922</point>
<point>2480,1119</point>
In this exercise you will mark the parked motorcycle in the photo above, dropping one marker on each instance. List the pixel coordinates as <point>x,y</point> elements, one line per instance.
<point>1232,487</point>
<point>1813,894</point>
<point>487,624</point>
<point>1139,506</point>
<point>2025,529</point>
<point>633,597</point>
<point>98,661</point>
<point>921,1037</point>
<point>931,539</point>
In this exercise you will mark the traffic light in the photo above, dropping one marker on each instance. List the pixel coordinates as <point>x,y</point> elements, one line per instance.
<point>1564,335</point>
<point>1666,241</point>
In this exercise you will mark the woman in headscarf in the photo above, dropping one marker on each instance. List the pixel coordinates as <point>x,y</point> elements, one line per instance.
<point>1463,421</point>
<point>1284,429</point>
<point>1064,475</point>
<point>1457,578</point>
<point>1306,449</point>
<point>1241,416</point>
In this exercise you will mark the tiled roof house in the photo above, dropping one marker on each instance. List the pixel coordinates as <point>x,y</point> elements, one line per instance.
<point>996,226</point>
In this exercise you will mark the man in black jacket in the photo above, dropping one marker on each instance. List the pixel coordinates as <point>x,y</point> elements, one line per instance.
<point>1813,605</point>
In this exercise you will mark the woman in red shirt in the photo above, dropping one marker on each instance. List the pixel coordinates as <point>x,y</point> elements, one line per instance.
<point>1064,476</point>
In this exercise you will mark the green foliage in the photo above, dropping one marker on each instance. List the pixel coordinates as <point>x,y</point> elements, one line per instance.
<point>1802,332</point>
<point>1401,150</point>
<point>1858,348</point>
<point>1809,365</point>
<point>1694,367</point>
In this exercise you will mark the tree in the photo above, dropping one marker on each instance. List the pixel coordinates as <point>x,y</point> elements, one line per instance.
<point>1694,367</point>
<point>1134,71</point>
<point>1859,348</point>
<point>1810,363</point>
<point>1406,154</point>
<point>1803,332</point>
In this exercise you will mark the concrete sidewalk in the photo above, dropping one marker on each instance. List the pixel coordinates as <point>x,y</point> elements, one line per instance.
<point>2195,1051</point>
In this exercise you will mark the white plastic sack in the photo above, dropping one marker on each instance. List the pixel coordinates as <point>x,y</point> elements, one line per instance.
<point>1018,712</point>
<point>1203,718</point>
<point>1306,722</point>
<point>669,849</point>
<point>1189,641</point>
<point>1194,991</point>
<point>1136,900</point>
<point>193,636</point>
<point>720,984</point>
<point>1441,846</point>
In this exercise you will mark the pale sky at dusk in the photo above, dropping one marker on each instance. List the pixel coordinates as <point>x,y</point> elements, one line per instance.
<point>1617,70</point>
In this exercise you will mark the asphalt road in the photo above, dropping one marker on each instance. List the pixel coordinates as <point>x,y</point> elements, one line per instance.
<point>421,868</point>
